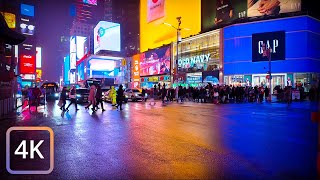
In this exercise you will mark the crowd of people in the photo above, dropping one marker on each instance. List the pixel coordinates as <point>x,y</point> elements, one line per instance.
<point>95,98</point>
<point>221,94</point>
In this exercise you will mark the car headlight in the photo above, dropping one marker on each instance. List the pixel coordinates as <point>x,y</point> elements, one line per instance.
<point>126,96</point>
<point>56,94</point>
<point>78,95</point>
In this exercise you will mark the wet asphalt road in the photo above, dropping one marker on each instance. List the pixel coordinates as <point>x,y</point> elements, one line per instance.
<point>177,141</point>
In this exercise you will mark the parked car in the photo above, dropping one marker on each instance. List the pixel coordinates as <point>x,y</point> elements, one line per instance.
<point>134,95</point>
<point>82,95</point>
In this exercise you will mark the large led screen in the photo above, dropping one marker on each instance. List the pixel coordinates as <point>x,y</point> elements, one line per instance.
<point>80,43</point>
<point>272,7</point>
<point>27,64</point>
<point>155,62</point>
<point>27,10</point>
<point>27,28</point>
<point>107,36</point>
<point>92,2</point>
<point>219,12</point>
<point>38,57</point>
<point>155,26</point>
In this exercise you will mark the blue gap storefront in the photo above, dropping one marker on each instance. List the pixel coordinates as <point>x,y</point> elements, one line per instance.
<point>300,51</point>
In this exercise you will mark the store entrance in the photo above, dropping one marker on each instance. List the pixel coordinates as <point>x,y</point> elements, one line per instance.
<point>261,80</point>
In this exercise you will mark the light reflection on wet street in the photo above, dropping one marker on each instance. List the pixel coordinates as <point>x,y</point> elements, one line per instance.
<point>181,141</point>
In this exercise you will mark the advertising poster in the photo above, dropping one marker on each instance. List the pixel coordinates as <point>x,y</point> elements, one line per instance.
<point>38,57</point>
<point>270,40</point>
<point>92,2</point>
<point>27,64</point>
<point>156,10</point>
<point>27,10</point>
<point>10,19</point>
<point>272,7</point>
<point>107,37</point>
<point>155,62</point>
<point>219,12</point>
<point>155,24</point>
<point>136,68</point>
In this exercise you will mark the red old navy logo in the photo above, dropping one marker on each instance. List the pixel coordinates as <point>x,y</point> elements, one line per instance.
<point>154,1</point>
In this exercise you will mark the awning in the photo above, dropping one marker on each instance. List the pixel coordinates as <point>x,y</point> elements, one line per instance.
<point>9,36</point>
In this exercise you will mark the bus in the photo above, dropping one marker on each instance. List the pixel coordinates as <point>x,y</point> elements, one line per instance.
<point>51,89</point>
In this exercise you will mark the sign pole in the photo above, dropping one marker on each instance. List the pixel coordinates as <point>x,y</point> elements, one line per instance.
<point>270,77</point>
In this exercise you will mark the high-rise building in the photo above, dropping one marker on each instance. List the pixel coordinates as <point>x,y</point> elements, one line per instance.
<point>127,13</point>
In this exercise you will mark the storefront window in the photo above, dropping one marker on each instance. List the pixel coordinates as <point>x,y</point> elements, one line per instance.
<point>306,80</point>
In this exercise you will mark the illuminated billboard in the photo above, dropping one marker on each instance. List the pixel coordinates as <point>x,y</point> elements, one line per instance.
<point>27,28</point>
<point>38,57</point>
<point>27,64</point>
<point>276,7</point>
<point>155,62</point>
<point>10,19</point>
<point>73,51</point>
<point>92,2</point>
<point>38,75</point>
<point>27,10</point>
<point>156,9</point>
<point>219,12</point>
<point>154,33</point>
<point>80,45</point>
<point>107,36</point>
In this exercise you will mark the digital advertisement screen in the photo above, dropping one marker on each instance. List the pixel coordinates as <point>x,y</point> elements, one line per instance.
<point>73,61</point>
<point>27,28</point>
<point>38,57</point>
<point>107,37</point>
<point>80,44</point>
<point>27,10</point>
<point>102,65</point>
<point>276,7</point>
<point>156,9</point>
<point>73,45</point>
<point>153,30</point>
<point>218,12</point>
<point>27,64</point>
<point>92,2</point>
<point>155,62</point>
<point>10,19</point>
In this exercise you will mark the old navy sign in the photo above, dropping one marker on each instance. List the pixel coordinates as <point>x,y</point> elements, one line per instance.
<point>270,40</point>
<point>190,61</point>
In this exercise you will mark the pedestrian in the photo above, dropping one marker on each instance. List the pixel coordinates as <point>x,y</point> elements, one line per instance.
<point>63,99</point>
<point>120,97</point>
<point>163,93</point>
<point>143,93</point>
<point>92,99</point>
<point>99,98</point>
<point>153,93</point>
<point>113,96</point>
<point>73,98</point>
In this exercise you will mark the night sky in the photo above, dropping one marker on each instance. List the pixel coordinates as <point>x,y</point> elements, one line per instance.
<point>54,21</point>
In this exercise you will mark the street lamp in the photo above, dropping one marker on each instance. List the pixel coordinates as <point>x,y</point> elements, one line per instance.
<point>178,40</point>
<point>266,52</point>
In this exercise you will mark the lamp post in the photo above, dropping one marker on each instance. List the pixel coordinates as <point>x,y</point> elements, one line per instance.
<point>178,28</point>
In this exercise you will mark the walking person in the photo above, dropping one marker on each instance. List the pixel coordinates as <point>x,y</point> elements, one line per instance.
<point>163,94</point>
<point>99,98</point>
<point>73,98</point>
<point>120,97</point>
<point>92,99</point>
<point>153,93</point>
<point>113,96</point>
<point>63,99</point>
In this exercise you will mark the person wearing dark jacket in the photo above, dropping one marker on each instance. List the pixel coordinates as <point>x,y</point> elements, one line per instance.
<point>99,98</point>
<point>63,98</point>
<point>73,98</point>
<point>120,97</point>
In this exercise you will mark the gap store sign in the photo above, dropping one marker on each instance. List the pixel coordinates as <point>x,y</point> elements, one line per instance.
<point>275,41</point>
